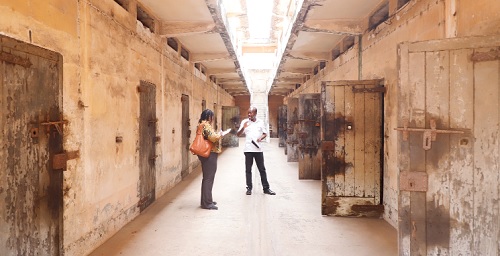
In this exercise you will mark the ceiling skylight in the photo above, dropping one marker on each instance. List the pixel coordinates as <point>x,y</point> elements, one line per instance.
<point>259,13</point>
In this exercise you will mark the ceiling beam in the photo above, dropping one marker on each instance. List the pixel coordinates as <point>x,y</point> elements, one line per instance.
<point>297,71</point>
<point>337,27</point>
<point>206,57</point>
<point>230,90</point>
<point>215,11</point>
<point>280,91</point>
<point>289,80</point>
<point>283,88</point>
<point>286,84</point>
<point>222,71</point>
<point>259,48</point>
<point>313,56</point>
<point>184,28</point>
<point>228,80</point>
<point>233,86</point>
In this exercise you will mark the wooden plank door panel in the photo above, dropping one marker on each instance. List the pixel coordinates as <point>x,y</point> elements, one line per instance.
<point>147,145</point>
<point>282,125</point>
<point>292,142</point>
<point>351,147</point>
<point>454,83</point>
<point>309,136</point>
<point>461,118</point>
<point>486,227</point>
<point>185,134</point>
<point>31,219</point>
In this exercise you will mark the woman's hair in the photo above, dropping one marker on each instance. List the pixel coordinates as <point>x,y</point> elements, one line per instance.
<point>206,115</point>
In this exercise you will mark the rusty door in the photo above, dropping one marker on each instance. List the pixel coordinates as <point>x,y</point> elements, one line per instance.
<point>147,144</point>
<point>309,136</point>
<point>185,135</point>
<point>292,142</point>
<point>282,126</point>
<point>448,143</point>
<point>230,120</point>
<point>216,125</point>
<point>31,183</point>
<point>352,147</point>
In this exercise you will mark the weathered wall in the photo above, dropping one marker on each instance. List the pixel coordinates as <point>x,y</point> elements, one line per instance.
<point>274,103</point>
<point>244,103</point>
<point>418,21</point>
<point>106,52</point>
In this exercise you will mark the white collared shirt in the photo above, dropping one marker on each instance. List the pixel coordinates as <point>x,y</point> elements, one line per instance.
<point>253,132</point>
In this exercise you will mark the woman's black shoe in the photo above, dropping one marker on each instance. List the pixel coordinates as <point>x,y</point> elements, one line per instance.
<point>269,192</point>
<point>211,207</point>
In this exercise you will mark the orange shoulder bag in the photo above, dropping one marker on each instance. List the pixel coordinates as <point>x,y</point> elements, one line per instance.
<point>200,145</point>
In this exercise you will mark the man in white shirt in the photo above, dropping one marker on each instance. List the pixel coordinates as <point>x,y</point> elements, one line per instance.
<point>255,132</point>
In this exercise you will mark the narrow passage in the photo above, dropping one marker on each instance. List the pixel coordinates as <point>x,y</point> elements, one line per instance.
<point>287,224</point>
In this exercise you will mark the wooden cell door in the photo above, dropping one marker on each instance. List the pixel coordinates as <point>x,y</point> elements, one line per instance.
<point>31,183</point>
<point>352,147</point>
<point>292,143</point>
<point>309,136</point>
<point>282,125</point>
<point>230,120</point>
<point>216,116</point>
<point>185,135</point>
<point>448,142</point>
<point>147,144</point>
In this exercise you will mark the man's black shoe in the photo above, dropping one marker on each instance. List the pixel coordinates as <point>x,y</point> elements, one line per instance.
<point>249,191</point>
<point>269,192</point>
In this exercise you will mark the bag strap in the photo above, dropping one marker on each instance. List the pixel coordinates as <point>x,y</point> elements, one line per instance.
<point>200,129</point>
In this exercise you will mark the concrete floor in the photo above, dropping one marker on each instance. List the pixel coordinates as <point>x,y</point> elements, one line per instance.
<point>289,223</point>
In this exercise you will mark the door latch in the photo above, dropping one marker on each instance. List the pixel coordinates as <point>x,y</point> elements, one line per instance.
<point>429,134</point>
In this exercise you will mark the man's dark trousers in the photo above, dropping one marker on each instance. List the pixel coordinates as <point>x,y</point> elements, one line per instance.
<point>259,160</point>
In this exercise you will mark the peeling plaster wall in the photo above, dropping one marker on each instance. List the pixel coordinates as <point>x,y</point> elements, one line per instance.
<point>106,52</point>
<point>418,21</point>
<point>244,103</point>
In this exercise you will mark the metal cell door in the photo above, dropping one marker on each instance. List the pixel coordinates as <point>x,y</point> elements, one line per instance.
<point>147,144</point>
<point>185,135</point>
<point>31,177</point>
<point>282,126</point>
<point>292,142</point>
<point>352,147</point>
<point>448,142</point>
<point>230,120</point>
<point>309,136</point>
<point>215,123</point>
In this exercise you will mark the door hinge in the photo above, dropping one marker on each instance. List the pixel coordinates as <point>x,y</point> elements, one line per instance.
<point>59,161</point>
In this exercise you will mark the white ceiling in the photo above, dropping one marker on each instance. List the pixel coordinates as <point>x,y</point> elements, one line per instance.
<point>319,28</point>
